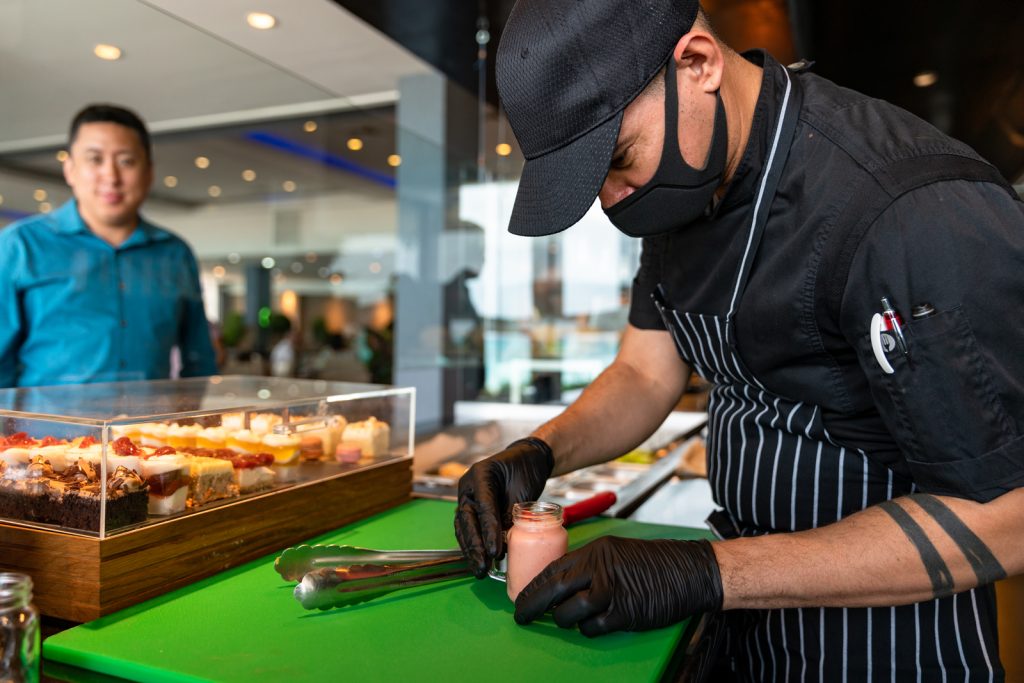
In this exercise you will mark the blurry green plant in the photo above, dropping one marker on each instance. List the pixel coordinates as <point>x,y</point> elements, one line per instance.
<point>233,330</point>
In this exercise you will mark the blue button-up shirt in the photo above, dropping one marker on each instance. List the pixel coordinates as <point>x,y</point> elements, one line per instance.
<point>75,309</point>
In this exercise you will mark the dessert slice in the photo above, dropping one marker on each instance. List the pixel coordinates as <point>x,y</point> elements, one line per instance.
<point>251,469</point>
<point>284,447</point>
<point>245,441</point>
<point>167,474</point>
<point>210,479</point>
<point>212,437</point>
<point>183,436</point>
<point>373,436</point>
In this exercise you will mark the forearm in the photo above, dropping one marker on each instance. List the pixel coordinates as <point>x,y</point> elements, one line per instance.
<point>908,550</point>
<point>622,407</point>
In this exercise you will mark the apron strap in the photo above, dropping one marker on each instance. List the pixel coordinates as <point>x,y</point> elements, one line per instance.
<point>779,152</point>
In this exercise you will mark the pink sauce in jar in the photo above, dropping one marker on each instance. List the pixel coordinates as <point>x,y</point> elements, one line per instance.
<point>536,539</point>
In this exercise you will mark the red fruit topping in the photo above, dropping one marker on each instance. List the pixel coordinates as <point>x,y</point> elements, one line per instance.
<point>164,450</point>
<point>20,439</point>
<point>125,446</point>
<point>50,441</point>
<point>87,441</point>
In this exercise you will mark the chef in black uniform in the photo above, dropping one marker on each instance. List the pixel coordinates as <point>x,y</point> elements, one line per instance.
<point>848,278</point>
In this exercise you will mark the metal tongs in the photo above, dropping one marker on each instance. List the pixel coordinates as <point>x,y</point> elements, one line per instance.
<point>341,575</point>
<point>328,587</point>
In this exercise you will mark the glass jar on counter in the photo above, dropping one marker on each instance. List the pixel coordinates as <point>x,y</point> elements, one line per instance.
<point>19,630</point>
<point>536,539</point>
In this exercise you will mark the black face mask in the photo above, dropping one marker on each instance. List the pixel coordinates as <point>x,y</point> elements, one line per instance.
<point>678,194</point>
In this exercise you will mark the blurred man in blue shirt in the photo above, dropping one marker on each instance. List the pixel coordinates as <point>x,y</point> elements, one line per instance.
<point>93,292</point>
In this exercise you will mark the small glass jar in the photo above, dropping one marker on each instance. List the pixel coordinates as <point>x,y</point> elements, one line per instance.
<point>536,539</point>
<point>19,630</point>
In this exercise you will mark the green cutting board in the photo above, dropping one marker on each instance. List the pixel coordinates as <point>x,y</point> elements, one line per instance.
<point>244,625</point>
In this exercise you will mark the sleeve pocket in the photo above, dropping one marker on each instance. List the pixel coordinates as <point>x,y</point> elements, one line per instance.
<point>952,425</point>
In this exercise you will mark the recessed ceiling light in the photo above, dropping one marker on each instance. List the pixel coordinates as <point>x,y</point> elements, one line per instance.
<point>394,160</point>
<point>503,149</point>
<point>336,279</point>
<point>926,79</point>
<point>202,162</point>
<point>296,267</point>
<point>214,190</point>
<point>39,195</point>
<point>248,175</point>
<point>45,207</point>
<point>323,272</point>
<point>218,271</point>
<point>261,21</point>
<point>375,267</point>
<point>311,257</point>
<point>170,181</point>
<point>108,52</point>
<point>309,126</point>
<point>288,186</point>
<point>234,257</point>
<point>354,144</point>
<point>268,262</point>
<point>62,156</point>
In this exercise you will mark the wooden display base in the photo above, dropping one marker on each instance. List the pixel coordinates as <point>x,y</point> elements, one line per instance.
<point>81,578</point>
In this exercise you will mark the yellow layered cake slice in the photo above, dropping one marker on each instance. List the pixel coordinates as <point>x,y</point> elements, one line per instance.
<point>210,479</point>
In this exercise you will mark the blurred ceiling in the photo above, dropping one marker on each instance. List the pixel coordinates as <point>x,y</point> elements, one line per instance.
<point>973,49</point>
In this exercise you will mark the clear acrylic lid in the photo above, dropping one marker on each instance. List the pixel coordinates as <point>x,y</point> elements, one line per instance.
<point>162,399</point>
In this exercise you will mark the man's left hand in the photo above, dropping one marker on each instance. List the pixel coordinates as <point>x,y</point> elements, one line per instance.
<point>624,584</point>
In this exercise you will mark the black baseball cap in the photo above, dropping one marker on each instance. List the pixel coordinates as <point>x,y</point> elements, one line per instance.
<point>566,70</point>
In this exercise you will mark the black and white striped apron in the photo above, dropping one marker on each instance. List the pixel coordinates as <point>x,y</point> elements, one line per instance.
<point>774,467</point>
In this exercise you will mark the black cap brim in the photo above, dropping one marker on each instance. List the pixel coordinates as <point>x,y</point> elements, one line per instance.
<point>558,188</point>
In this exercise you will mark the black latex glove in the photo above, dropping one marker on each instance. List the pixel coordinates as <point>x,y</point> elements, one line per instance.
<point>487,492</point>
<point>623,584</point>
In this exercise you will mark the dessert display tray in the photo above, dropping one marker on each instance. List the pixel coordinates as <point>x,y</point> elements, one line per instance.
<point>107,499</point>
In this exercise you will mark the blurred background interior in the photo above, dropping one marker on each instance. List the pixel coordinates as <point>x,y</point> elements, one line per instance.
<point>344,173</point>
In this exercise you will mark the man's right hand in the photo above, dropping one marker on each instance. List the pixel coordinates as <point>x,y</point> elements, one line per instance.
<point>488,491</point>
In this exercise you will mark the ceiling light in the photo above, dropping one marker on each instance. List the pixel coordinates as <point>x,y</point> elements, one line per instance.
<point>233,257</point>
<point>354,144</point>
<point>925,79</point>
<point>323,271</point>
<point>248,175</point>
<point>62,156</point>
<point>260,21</point>
<point>39,195</point>
<point>336,279</point>
<point>296,267</point>
<point>45,207</point>
<point>108,52</point>
<point>375,267</point>
<point>218,271</point>
<point>202,162</point>
<point>309,126</point>
<point>268,262</point>
<point>394,160</point>
<point>170,181</point>
<point>503,149</point>
<point>214,190</point>
<point>311,257</point>
<point>288,186</point>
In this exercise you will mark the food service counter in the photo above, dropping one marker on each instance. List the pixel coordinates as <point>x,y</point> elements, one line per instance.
<point>244,625</point>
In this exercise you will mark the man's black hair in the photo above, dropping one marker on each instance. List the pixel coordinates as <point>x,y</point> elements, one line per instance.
<point>109,113</point>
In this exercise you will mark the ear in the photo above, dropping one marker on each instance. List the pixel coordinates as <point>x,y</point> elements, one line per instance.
<point>67,167</point>
<point>699,61</point>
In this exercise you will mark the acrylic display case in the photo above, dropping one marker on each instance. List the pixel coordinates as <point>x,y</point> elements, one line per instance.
<point>114,493</point>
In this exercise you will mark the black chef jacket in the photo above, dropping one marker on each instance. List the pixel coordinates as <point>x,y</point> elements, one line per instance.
<point>950,419</point>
